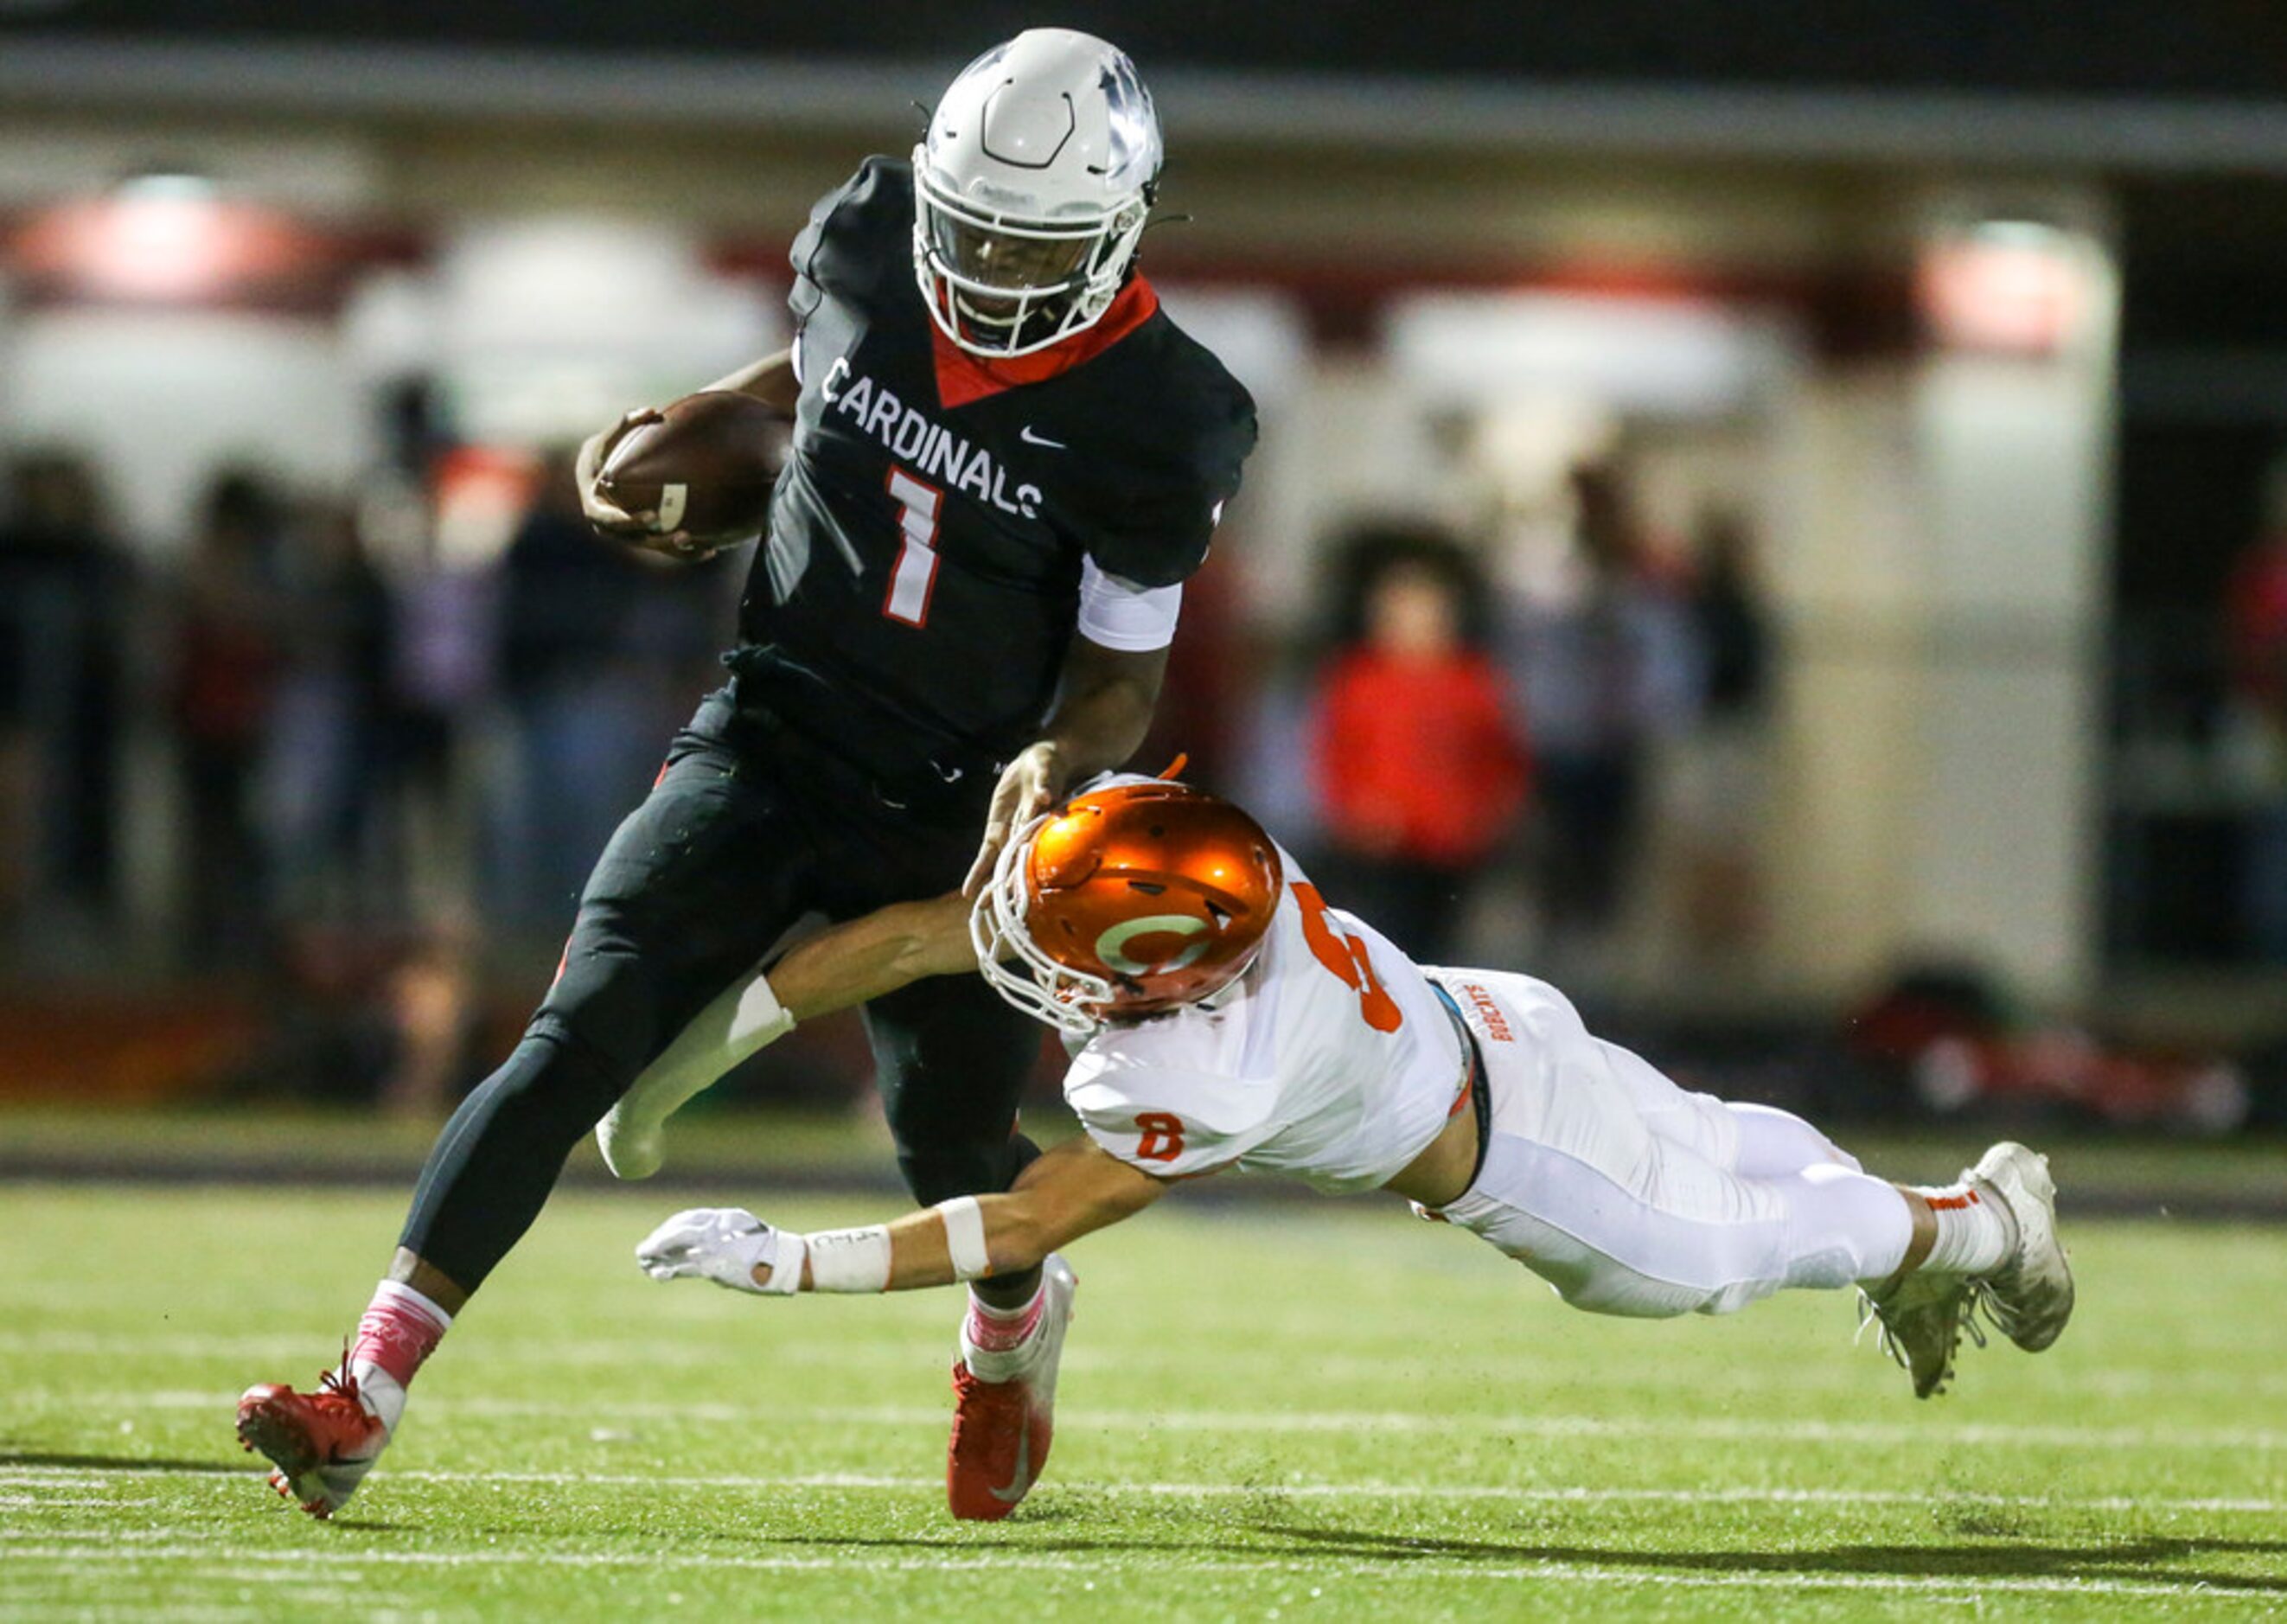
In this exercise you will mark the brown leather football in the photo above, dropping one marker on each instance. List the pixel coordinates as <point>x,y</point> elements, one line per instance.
<point>704,466</point>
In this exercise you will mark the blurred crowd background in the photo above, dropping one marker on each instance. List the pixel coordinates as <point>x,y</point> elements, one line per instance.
<point>1779,530</point>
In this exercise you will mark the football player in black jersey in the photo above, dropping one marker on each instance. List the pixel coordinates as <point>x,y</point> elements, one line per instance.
<point>1005,461</point>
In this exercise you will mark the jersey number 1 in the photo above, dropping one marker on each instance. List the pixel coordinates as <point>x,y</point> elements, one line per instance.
<point>1346,955</point>
<point>915,575</point>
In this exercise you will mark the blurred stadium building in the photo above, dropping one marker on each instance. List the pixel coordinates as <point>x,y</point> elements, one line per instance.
<point>1966,315</point>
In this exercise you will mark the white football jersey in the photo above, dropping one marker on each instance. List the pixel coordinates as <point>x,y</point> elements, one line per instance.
<point>1330,1060</point>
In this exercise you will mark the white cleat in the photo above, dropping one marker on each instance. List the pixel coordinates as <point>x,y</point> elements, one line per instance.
<point>2030,1295</point>
<point>1922,1316</point>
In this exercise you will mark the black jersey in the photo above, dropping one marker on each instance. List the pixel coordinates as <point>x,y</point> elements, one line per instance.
<point>920,584</point>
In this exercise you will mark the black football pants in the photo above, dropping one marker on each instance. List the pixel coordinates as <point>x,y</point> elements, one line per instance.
<point>747,829</point>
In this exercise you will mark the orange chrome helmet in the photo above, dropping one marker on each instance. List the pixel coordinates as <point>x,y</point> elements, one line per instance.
<point>1126,901</point>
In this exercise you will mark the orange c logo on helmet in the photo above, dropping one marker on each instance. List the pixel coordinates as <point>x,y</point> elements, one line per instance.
<point>1112,946</point>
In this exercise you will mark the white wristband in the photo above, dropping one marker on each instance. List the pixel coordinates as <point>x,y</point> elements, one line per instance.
<point>786,1249</point>
<point>849,1259</point>
<point>964,1237</point>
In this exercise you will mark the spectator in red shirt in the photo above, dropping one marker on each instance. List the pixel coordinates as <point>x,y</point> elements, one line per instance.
<point>1417,755</point>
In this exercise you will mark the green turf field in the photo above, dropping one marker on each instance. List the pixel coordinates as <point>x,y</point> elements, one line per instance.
<point>1281,1413</point>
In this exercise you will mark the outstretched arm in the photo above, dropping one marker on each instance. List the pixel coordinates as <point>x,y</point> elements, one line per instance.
<point>860,959</point>
<point>844,965</point>
<point>1072,1191</point>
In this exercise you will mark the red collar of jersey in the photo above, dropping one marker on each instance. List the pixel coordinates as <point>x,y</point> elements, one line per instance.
<point>962,377</point>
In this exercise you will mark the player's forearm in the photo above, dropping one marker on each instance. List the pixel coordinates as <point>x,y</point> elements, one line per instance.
<point>770,380</point>
<point>966,1239</point>
<point>861,960</point>
<point>1105,710</point>
<point>1072,1191</point>
<point>921,1251</point>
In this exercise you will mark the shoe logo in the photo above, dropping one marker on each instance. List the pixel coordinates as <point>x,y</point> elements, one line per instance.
<point>1031,438</point>
<point>1021,1478</point>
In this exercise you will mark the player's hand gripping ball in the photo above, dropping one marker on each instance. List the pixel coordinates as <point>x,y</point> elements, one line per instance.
<point>698,472</point>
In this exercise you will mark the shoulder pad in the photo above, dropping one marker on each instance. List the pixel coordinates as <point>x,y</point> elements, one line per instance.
<point>1181,465</point>
<point>857,234</point>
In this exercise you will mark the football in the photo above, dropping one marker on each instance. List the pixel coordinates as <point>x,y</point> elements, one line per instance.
<point>704,465</point>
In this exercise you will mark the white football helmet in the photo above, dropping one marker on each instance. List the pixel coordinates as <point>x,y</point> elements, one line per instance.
<point>1030,191</point>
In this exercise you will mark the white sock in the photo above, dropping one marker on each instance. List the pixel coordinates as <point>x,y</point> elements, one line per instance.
<point>1975,1232</point>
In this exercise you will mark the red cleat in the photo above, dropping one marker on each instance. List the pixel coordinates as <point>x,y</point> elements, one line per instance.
<point>1001,1431</point>
<point>321,1444</point>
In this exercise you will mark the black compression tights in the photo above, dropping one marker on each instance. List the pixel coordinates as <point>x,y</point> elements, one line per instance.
<point>493,1166</point>
<point>491,1169</point>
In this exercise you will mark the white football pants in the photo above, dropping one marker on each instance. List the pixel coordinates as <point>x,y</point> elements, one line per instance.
<point>1630,1195</point>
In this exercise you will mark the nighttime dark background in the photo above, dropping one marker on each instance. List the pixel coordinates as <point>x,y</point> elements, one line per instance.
<point>2224,48</point>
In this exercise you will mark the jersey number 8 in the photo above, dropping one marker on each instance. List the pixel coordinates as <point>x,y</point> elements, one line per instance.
<point>1162,1133</point>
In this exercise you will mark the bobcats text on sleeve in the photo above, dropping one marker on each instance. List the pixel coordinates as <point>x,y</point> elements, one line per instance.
<point>1170,1123</point>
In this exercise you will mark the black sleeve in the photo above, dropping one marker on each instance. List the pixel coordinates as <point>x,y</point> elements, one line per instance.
<point>1155,531</point>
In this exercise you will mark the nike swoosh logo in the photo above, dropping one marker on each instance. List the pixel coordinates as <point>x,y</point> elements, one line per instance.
<point>1021,1478</point>
<point>1031,438</point>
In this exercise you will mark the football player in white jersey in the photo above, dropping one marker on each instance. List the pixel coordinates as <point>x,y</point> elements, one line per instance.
<point>1224,1016</point>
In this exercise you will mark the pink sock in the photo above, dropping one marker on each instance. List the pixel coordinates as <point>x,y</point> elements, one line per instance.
<point>400,1330</point>
<point>1000,1343</point>
<point>1000,1330</point>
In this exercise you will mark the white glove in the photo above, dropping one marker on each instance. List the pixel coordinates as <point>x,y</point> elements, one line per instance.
<point>724,1245</point>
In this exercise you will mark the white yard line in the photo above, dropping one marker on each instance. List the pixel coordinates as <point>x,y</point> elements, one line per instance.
<point>664,1352</point>
<point>1522,1494</point>
<point>1414,1564</point>
<point>296,1349</point>
<point>1920,1434</point>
